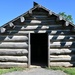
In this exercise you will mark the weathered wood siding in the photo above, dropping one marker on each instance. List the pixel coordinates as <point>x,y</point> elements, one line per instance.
<point>14,44</point>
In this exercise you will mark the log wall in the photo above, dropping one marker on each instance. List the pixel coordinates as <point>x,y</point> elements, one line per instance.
<point>14,50</point>
<point>14,44</point>
<point>62,48</point>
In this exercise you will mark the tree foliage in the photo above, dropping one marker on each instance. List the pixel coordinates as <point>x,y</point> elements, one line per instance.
<point>67,17</point>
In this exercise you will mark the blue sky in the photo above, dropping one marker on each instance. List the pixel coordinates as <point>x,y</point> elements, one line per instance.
<point>10,9</point>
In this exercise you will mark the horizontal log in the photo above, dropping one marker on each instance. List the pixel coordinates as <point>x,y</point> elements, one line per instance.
<point>61,37</point>
<point>50,25</point>
<point>13,45</point>
<point>13,38</point>
<point>39,13</point>
<point>40,18</point>
<point>38,31</point>
<point>12,64</point>
<point>16,52</point>
<point>38,21</point>
<point>34,21</point>
<point>62,44</point>
<point>62,58</point>
<point>33,27</point>
<point>30,27</point>
<point>61,32</point>
<point>13,58</point>
<point>63,64</point>
<point>62,51</point>
<point>13,34</point>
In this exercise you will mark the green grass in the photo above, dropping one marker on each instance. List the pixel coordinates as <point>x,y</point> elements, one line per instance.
<point>3,71</point>
<point>69,70</point>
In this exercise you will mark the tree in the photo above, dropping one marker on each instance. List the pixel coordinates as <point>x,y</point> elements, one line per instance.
<point>67,17</point>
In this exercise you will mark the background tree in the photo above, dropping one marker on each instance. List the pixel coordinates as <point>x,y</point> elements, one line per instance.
<point>67,17</point>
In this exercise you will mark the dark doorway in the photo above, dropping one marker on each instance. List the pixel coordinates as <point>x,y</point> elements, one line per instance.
<point>39,49</point>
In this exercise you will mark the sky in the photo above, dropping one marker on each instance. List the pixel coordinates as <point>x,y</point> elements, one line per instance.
<point>10,9</point>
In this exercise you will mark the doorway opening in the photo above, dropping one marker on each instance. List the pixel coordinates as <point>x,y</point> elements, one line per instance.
<point>39,49</point>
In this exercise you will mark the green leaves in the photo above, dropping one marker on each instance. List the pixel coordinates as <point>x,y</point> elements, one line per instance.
<point>67,17</point>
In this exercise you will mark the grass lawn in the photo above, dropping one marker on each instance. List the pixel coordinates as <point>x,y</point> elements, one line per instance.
<point>69,70</point>
<point>2,71</point>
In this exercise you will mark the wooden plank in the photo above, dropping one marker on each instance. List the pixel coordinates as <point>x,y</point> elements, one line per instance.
<point>13,45</point>
<point>13,38</point>
<point>13,58</point>
<point>13,52</point>
<point>63,64</point>
<point>62,51</point>
<point>62,58</point>
<point>12,64</point>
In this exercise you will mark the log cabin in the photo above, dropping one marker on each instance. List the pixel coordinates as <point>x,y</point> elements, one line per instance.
<point>37,37</point>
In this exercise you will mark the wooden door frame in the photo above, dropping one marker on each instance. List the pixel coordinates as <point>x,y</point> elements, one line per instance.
<point>29,52</point>
<point>48,51</point>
